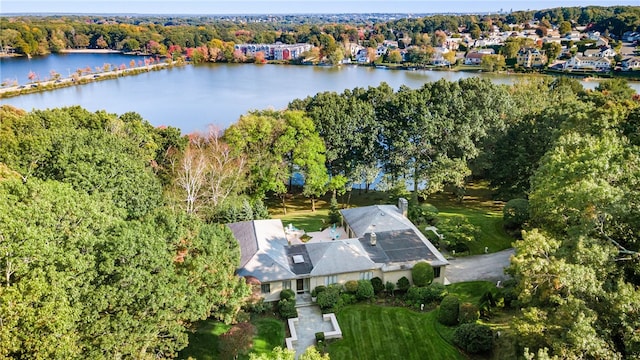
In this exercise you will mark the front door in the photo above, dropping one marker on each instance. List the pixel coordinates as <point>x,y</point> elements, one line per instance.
<point>300,286</point>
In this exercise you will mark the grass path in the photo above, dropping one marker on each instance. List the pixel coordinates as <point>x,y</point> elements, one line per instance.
<point>376,332</point>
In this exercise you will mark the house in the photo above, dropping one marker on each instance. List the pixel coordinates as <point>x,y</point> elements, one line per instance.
<point>475,57</point>
<point>604,51</point>
<point>588,63</point>
<point>381,242</point>
<point>531,57</point>
<point>277,51</point>
<point>631,63</point>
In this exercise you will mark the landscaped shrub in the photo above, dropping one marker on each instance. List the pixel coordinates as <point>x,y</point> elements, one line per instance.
<point>468,313</point>
<point>474,338</point>
<point>515,213</point>
<point>317,290</point>
<point>328,298</point>
<point>403,284</point>
<point>389,287</point>
<point>449,310</point>
<point>365,290</point>
<point>348,299</point>
<point>377,284</point>
<point>351,286</point>
<point>414,294</point>
<point>422,274</point>
<point>287,294</point>
<point>287,309</point>
<point>422,214</point>
<point>434,293</point>
<point>319,336</point>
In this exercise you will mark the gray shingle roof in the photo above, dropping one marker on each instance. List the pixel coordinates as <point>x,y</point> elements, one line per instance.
<point>262,246</point>
<point>340,256</point>
<point>374,218</point>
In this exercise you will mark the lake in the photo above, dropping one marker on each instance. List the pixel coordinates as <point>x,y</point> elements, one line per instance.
<point>193,97</point>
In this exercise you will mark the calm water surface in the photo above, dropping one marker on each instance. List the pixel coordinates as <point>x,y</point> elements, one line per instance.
<point>193,97</point>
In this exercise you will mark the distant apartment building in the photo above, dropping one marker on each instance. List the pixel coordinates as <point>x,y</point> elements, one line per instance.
<point>530,58</point>
<point>275,51</point>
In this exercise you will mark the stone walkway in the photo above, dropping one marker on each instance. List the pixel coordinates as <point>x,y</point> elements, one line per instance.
<point>310,322</point>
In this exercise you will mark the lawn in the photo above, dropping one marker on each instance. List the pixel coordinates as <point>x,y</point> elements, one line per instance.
<point>376,332</point>
<point>203,343</point>
<point>471,291</point>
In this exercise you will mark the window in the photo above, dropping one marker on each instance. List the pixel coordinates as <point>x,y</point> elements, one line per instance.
<point>331,279</point>
<point>286,285</point>
<point>367,275</point>
<point>265,288</point>
<point>436,272</point>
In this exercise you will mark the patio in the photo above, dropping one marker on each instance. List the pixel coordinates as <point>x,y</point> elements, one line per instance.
<point>294,236</point>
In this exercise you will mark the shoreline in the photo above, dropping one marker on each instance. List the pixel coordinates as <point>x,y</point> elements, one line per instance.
<point>81,80</point>
<point>89,51</point>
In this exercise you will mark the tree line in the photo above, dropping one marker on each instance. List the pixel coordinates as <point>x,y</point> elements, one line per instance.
<point>31,35</point>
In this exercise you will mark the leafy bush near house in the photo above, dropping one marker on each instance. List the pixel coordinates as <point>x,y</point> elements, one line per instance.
<point>474,338</point>
<point>364,290</point>
<point>287,294</point>
<point>515,213</point>
<point>423,214</point>
<point>319,336</point>
<point>449,310</point>
<point>351,286</point>
<point>389,287</point>
<point>346,299</point>
<point>329,297</point>
<point>469,313</point>
<point>317,290</point>
<point>287,309</point>
<point>434,293</point>
<point>426,295</point>
<point>403,284</point>
<point>377,284</point>
<point>422,274</point>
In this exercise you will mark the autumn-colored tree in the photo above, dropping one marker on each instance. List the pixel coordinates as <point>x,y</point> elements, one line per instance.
<point>259,58</point>
<point>236,341</point>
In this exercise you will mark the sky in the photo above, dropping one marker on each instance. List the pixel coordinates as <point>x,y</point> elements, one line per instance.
<point>207,7</point>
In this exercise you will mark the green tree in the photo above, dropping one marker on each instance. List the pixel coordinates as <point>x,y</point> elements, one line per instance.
<point>491,63</point>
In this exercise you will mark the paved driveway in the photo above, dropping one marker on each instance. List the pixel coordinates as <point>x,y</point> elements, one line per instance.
<point>479,267</point>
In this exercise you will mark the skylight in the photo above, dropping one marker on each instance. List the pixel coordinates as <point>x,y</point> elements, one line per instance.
<point>298,259</point>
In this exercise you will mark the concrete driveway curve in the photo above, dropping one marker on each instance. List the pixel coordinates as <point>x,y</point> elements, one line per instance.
<point>488,267</point>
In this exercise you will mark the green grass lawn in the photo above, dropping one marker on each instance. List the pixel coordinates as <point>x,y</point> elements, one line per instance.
<point>471,291</point>
<point>203,343</point>
<point>376,332</point>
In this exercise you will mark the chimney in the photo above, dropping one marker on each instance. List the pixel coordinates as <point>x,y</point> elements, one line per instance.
<point>403,206</point>
<point>373,239</point>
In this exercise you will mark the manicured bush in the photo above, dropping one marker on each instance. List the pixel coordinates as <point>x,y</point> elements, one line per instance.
<point>287,294</point>
<point>287,309</point>
<point>414,294</point>
<point>377,284</point>
<point>434,293</point>
<point>474,338</point>
<point>328,298</point>
<point>468,313</point>
<point>364,290</point>
<point>422,274</point>
<point>449,310</point>
<point>515,213</point>
<point>403,284</point>
<point>348,299</point>
<point>317,290</point>
<point>319,336</point>
<point>351,286</point>
<point>389,287</point>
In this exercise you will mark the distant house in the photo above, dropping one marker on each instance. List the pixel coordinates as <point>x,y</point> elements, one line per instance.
<point>588,63</point>
<point>604,51</point>
<point>531,57</point>
<point>382,243</point>
<point>631,63</point>
<point>475,57</point>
